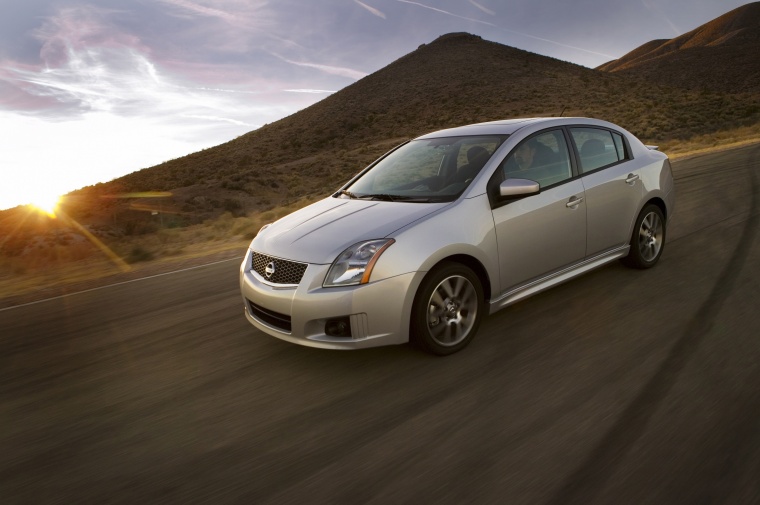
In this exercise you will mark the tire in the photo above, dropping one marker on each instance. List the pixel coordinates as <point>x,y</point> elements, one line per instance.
<point>447,309</point>
<point>648,238</point>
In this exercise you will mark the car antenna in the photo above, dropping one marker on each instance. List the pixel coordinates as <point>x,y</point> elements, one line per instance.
<point>563,111</point>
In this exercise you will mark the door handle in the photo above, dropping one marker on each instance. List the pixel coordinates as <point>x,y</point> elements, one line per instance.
<point>632,178</point>
<point>574,202</point>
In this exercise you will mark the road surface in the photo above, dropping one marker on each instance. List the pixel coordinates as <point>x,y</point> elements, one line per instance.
<point>619,387</point>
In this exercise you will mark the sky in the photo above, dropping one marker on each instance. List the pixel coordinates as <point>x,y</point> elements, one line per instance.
<point>93,90</point>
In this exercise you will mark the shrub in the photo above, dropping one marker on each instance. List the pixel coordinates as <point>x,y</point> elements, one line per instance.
<point>138,254</point>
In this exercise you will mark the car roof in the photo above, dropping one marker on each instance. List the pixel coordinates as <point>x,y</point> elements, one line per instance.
<point>503,127</point>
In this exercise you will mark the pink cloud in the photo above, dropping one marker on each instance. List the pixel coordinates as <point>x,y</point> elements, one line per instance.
<point>371,9</point>
<point>14,96</point>
<point>76,28</point>
<point>202,10</point>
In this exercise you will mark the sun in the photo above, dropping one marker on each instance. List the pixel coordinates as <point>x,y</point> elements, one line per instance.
<point>47,203</point>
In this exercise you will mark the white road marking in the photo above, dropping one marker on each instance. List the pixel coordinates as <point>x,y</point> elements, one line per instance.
<point>118,284</point>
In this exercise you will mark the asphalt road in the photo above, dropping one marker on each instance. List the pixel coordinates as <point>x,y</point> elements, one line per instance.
<point>618,387</point>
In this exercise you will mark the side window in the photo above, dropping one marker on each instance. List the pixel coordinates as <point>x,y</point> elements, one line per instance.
<point>620,146</point>
<point>597,148</point>
<point>542,158</point>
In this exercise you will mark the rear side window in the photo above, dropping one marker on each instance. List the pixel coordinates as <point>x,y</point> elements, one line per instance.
<point>620,146</point>
<point>598,148</point>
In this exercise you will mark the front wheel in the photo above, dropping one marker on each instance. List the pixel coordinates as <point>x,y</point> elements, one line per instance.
<point>648,238</point>
<point>447,309</point>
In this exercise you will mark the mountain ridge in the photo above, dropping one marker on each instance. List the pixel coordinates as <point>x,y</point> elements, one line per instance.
<point>456,79</point>
<point>720,55</point>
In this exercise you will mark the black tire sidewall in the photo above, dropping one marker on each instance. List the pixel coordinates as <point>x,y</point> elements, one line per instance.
<point>634,258</point>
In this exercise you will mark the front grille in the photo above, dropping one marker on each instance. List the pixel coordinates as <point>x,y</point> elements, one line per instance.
<point>270,317</point>
<point>285,272</point>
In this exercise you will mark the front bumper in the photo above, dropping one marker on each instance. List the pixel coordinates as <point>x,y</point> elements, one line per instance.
<point>378,311</point>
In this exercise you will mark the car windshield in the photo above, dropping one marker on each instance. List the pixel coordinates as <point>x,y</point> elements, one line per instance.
<point>427,170</point>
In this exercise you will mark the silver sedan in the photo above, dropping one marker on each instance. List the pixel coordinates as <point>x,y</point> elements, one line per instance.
<point>454,225</point>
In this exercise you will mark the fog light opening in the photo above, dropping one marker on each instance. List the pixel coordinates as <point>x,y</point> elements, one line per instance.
<point>340,327</point>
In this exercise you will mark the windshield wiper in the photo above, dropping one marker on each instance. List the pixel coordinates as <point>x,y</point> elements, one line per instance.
<point>417,199</point>
<point>347,193</point>
<point>386,197</point>
<point>382,196</point>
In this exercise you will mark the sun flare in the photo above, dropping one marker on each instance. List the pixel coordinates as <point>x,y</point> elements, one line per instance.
<point>47,203</point>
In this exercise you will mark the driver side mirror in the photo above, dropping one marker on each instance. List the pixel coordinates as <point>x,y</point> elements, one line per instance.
<point>513,189</point>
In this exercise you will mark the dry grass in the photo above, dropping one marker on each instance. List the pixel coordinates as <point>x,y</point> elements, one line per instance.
<point>214,201</point>
<point>74,266</point>
<point>720,55</point>
<point>22,285</point>
<point>457,79</point>
<point>61,268</point>
<point>722,140</point>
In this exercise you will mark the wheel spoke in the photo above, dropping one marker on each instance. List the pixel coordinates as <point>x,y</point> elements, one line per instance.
<point>458,285</point>
<point>649,252</point>
<point>437,300</point>
<point>648,222</point>
<point>650,237</point>
<point>452,310</point>
<point>437,331</point>
<point>447,288</point>
<point>469,297</point>
<point>451,333</point>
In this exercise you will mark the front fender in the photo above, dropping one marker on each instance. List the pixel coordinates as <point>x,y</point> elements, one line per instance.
<point>465,228</point>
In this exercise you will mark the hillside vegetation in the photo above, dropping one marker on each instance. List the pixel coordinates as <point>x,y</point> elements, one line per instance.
<point>457,79</point>
<point>228,191</point>
<point>721,55</point>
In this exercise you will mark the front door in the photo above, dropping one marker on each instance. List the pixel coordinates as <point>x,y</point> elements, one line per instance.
<point>542,233</point>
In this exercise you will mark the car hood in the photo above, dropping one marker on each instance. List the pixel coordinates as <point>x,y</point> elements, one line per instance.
<point>321,231</point>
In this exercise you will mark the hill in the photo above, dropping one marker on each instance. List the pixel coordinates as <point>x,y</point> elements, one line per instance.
<point>721,55</point>
<point>454,80</point>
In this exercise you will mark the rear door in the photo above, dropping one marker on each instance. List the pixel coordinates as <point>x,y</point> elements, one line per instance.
<point>612,186</point>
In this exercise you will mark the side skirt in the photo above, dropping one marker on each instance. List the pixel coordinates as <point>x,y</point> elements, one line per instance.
<point>558,277</point>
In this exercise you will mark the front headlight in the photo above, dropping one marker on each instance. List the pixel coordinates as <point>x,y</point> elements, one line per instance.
<point>354,265</point>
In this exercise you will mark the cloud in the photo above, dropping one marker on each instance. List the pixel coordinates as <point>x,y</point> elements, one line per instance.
<point>221,90</point>
<point>484,9</point>
<point>560,44</point>
<point>371,9</point>
<point>76,28</point>
<point>315,91</point>
<point>93,79</point>
<point>59,157</point>
<point>222,119</point>
<point>507,30</point>
<point>246,14</point>
<point>91,66</point>
<point>215,26</point>
<point>340,71</point>
<point>661,15</point>
<point>98,90</point>
<point>202,10</point>
<point>446,12</point>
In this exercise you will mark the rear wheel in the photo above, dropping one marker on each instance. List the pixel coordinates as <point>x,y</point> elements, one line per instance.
<point>447,309</point>
<point>648,238</point>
